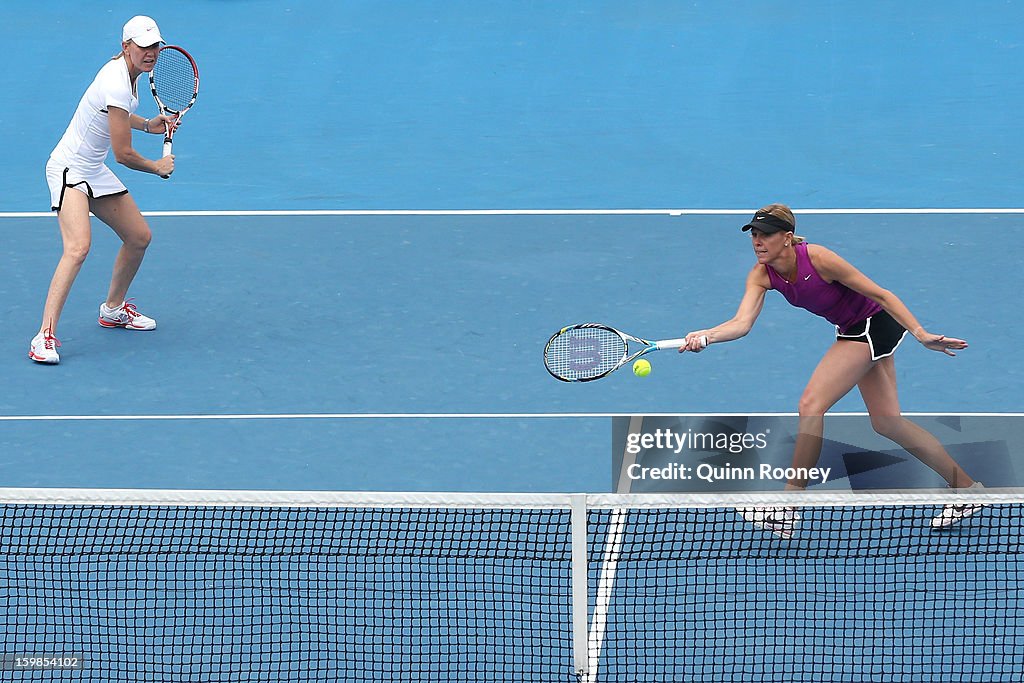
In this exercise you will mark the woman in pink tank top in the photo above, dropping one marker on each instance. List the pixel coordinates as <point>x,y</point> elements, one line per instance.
<point>870,323</point>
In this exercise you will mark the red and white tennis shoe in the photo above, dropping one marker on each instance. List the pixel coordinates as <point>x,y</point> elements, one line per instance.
<point>126,316</point>
<point>43,348</point>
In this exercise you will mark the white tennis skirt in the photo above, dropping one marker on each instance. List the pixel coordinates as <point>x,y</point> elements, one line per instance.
<point>95,181</point>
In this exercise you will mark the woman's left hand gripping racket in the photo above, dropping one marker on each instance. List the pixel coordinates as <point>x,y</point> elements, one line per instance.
<point>174,81</point>
<point>581,353</point>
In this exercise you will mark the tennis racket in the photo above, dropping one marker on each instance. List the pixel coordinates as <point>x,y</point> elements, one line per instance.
<point>174,81</point>
<point>581,353</point>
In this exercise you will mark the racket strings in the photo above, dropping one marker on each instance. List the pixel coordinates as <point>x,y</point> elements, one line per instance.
<point>580,354</point>
<point>174,80</point>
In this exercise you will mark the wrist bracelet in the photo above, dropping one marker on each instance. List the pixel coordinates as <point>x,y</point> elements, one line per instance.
<point>145,125</point>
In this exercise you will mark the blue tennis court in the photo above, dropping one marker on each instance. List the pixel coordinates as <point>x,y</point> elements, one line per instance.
<point>381,213</point>
<point>277,317</point>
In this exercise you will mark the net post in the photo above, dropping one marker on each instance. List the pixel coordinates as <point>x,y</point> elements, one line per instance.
<point>580,598</point>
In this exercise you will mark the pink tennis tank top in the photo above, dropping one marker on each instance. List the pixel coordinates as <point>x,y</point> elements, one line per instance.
<point>834,301</point>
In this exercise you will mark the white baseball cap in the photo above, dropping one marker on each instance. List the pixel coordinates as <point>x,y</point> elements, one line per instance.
<point>142,31</point>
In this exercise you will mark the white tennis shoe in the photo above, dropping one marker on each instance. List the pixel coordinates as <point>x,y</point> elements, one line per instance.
<point>126,316</point>
<point>953,514</point>
<point>43,348</point>
<point>781,521</point>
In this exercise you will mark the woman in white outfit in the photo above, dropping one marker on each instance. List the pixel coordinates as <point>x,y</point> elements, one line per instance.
<point>80,182</point>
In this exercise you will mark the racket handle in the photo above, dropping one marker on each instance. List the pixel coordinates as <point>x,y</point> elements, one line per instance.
<point>669,344</point>
<point>676,343</point>
<point>167,150</point>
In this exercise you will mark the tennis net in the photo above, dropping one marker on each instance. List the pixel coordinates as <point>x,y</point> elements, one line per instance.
<point>259,586</point>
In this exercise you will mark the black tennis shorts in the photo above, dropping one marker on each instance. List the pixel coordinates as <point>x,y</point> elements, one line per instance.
<point>880,332</point>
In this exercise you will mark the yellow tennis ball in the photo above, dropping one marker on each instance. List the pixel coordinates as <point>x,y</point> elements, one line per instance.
<point>642,368</point>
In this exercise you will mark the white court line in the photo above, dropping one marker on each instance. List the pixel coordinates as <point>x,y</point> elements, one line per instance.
<point>432,416</point>
<point>346,416</point>
<point>541,212</point>
<point>605,588</point>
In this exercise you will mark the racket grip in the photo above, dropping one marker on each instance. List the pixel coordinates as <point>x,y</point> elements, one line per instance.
<point>676,343</point>
<point>670,344</point>
<point>167,146</point>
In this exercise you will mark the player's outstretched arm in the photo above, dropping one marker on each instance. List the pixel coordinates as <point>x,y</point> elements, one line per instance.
<point>740,324</point>
<point>834,267</point>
